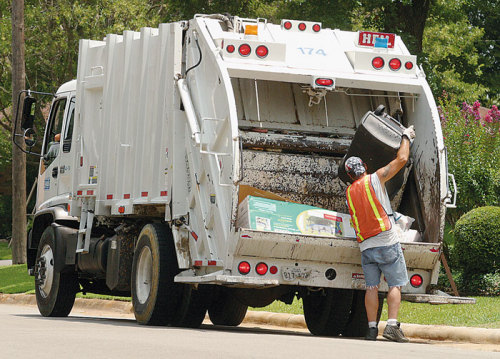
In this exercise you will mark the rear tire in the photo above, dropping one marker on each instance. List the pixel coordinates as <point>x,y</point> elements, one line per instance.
<point>357,325</point>
<point>156,298</point>
<point>327,311</point>
<point>55,292</point>
<point>226,309</point>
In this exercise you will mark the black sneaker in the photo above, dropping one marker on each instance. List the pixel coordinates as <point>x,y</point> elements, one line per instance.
<point>371,334</point>
<point>394,333</point>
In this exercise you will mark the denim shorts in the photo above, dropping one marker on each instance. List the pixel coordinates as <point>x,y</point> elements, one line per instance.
<point>388,260</point>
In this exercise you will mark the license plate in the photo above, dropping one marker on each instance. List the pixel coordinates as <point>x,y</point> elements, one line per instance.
<point>292,273</point>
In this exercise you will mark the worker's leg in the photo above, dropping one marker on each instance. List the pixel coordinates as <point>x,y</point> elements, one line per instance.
<point>371,303</point>
<point>393,302</point>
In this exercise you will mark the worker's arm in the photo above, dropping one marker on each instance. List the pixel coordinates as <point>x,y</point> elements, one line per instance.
<point>386,173</point>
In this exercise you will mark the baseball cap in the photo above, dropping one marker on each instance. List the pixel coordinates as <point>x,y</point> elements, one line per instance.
<point>355,166</point>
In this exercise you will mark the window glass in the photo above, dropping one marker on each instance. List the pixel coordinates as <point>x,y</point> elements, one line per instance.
<point>53,134</point>
<point>68,131</point>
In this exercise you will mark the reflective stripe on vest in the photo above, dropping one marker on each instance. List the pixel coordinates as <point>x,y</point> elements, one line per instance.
<point>368,215</point>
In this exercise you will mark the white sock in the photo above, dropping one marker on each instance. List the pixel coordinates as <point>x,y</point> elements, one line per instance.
<point>372,324</point>
<point>392,322</point>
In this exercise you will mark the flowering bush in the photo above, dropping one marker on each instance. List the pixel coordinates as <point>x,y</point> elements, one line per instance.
<point>473,153</point>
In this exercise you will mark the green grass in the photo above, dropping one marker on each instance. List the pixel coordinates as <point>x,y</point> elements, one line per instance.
<point>15,279</point>
<point>5,252</point>
<point>485,313</point>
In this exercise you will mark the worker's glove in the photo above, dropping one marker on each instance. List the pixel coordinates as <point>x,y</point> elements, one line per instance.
<point>409,133</point>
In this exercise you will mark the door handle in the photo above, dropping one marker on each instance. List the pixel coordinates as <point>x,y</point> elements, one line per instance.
<point>55,171</point>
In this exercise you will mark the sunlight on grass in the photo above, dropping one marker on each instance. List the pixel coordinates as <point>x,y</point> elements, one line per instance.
<point>15,279</point>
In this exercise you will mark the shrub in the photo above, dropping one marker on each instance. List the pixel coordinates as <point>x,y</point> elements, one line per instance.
<point>477,235</point>
<point>479,284</point>
<point>473,154</point>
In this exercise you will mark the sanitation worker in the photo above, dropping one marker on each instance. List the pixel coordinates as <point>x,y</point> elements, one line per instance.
<point>373,222</point>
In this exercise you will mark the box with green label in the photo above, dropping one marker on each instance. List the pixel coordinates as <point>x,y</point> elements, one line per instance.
<point>264,214</point>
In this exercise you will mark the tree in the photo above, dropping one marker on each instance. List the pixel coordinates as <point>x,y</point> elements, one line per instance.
<point>19,233</point>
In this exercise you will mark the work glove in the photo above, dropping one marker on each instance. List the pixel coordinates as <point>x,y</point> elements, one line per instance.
<point>409,133</point>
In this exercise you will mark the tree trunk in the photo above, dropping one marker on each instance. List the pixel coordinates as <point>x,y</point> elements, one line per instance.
<point>19,234</point>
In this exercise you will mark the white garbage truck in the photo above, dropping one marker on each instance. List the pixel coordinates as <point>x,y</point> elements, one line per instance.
<point>162,159</point>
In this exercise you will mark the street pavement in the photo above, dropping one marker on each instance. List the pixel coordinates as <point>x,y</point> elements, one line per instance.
<point>487,338</point>
<point>86,334</point>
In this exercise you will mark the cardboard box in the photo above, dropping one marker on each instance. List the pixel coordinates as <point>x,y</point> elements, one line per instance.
<point>265,214</point>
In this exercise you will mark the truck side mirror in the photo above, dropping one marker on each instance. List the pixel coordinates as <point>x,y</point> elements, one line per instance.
<point>28,116</point>
<point>30,137</point>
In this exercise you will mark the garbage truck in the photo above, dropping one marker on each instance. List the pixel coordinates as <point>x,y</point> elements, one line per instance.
<point>181,166</point>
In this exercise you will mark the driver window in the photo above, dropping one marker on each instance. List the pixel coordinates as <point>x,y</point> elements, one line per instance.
<point>53,133</point>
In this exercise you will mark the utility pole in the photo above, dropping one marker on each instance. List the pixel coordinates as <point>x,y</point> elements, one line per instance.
<point>19,233</point>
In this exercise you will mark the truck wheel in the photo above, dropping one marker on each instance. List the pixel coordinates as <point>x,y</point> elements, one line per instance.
<point>195,304</point>
<point>226,309</point>
<point>358,322</point>
<point>55,292</point>
<point>327,312</point>
<point>155,296</point>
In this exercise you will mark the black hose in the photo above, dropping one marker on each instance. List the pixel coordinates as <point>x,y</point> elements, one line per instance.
<point>199,61</point>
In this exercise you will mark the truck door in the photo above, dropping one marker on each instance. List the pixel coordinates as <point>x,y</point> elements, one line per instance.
<point>49,163</point>
<point>66,151</point>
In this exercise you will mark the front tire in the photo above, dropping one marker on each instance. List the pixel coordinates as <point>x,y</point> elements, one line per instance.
<point>55,292</point>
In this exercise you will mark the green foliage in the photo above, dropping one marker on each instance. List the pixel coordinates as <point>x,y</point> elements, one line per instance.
<point>479,284</point>
<point>473,154</point>
<point>451,58</point>
<point>476,242</point>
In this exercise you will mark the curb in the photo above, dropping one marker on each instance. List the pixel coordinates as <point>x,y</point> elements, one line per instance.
<point>416,331</point>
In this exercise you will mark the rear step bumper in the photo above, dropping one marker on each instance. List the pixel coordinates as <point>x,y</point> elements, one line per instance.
<point>418,255</point>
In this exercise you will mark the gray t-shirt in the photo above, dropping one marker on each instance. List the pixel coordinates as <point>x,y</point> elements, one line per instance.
<point>386,238</point>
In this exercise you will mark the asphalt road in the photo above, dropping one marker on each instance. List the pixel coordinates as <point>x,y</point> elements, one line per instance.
<point>25,334</point>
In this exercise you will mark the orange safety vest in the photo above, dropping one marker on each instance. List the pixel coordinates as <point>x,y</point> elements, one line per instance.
<point>368,215</point>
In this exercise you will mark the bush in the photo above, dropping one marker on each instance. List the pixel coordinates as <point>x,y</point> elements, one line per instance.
<point>479,284</point>
<point>476,249</point>
<point>473,155</point>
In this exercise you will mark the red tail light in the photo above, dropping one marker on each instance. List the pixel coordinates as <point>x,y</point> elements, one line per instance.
<point>244,267</point>
<point>287,25</point>
<point>378,63</point>
<point>416,280</point>
<point>409,65</point>
<point>230,48</point>
<point>316,27</point>
<point>324,82</point>
<point>395,64</point>
<point>273,270</point>
<point>261,268</point>
<point>302,26</point>
<point>261,51</point>
<point>244,50</point>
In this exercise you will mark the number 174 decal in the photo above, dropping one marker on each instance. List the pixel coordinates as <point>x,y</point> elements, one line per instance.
<point>311,51</point>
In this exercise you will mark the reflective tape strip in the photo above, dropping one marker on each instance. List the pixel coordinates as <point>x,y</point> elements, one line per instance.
<point>358,232</point>
<point>373,205</point>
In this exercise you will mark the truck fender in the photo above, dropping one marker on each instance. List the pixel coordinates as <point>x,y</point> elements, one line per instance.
<point>42,220</point>
<point>65,252</point>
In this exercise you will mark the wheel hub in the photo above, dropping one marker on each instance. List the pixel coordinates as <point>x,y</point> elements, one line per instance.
<point>44,271</point>
<point>144,275</point>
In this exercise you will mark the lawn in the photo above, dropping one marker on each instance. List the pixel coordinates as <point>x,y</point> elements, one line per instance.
<point>485,313</point>
<point>5,252</point>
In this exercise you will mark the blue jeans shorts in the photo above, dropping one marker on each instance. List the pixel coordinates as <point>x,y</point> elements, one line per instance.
<point>387,260</point>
